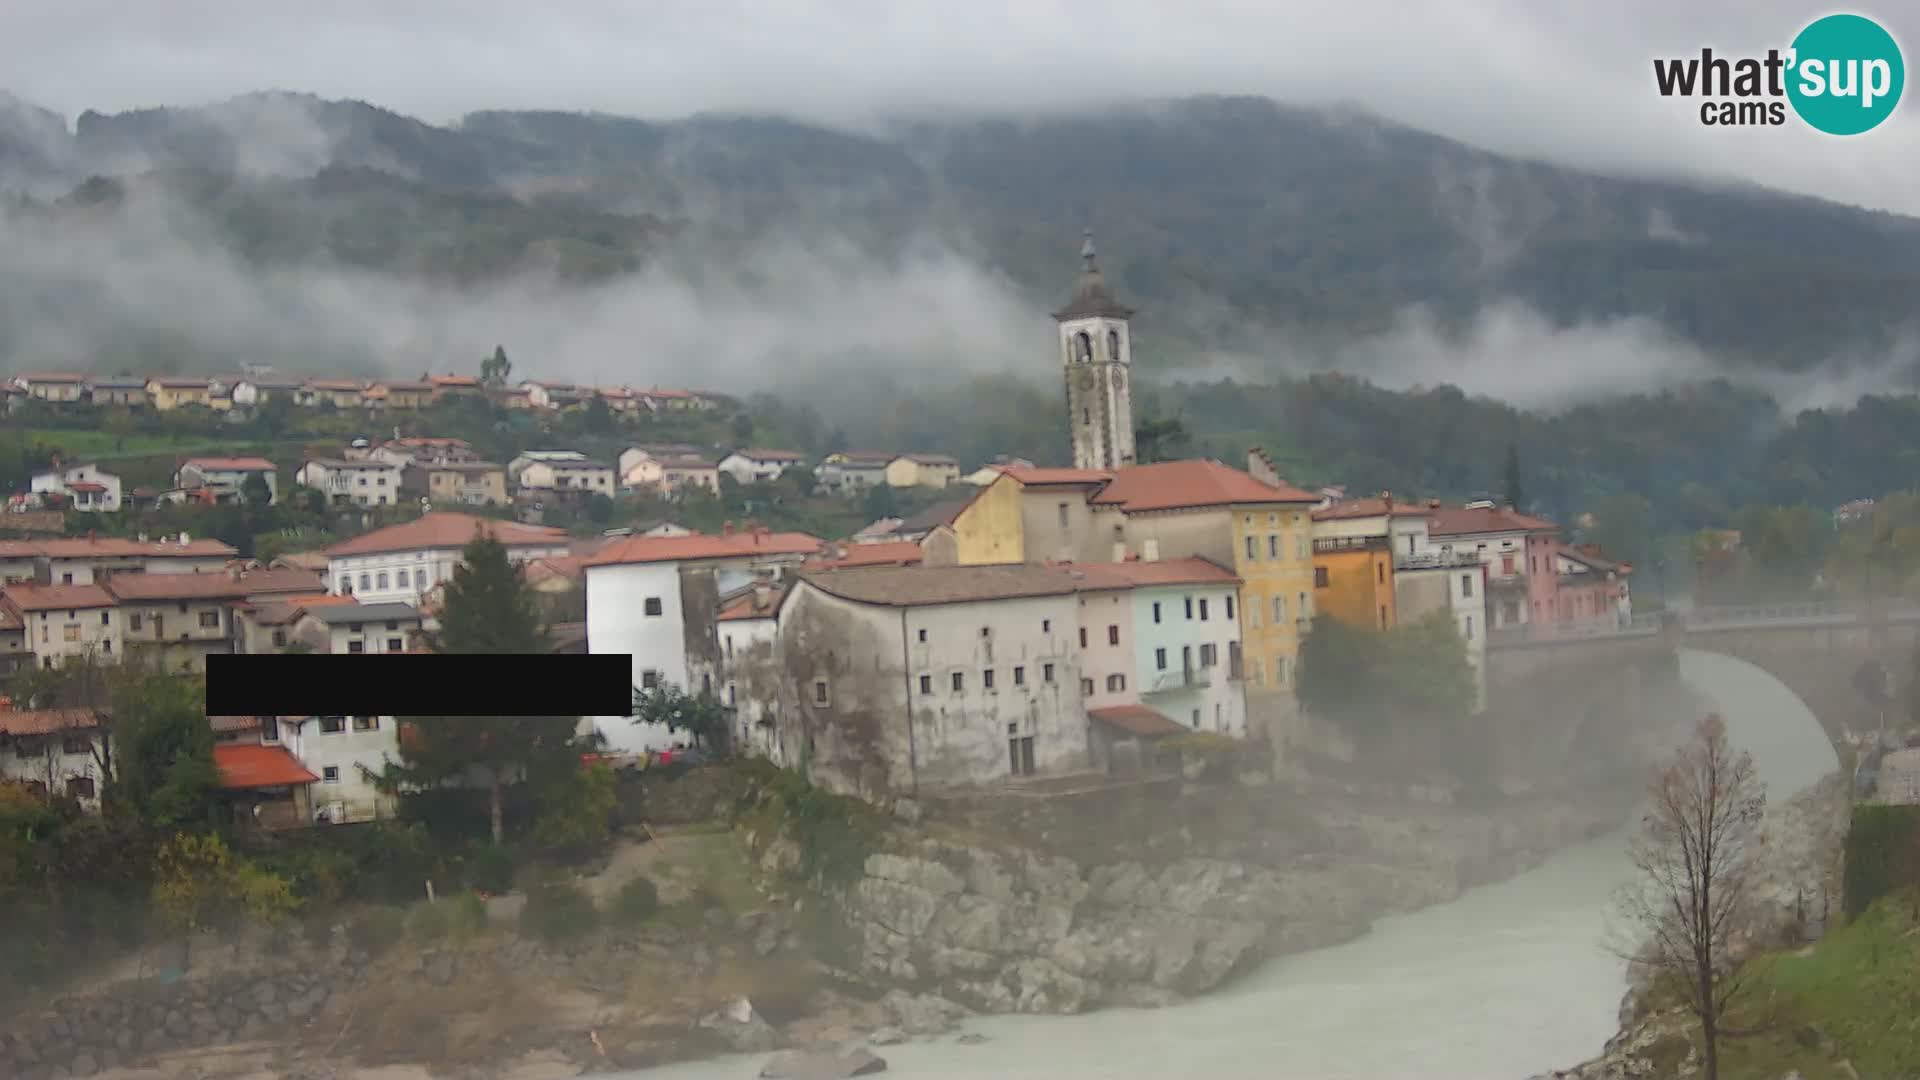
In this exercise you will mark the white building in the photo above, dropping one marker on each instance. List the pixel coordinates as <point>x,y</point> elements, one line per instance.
<point>656,599</point>
<point>570,475</point>
<point>906,678</point>
<point>1512,546</point>
<point>402,562</point>
<point>63,622</point>
<point>227,476</point>
<point>253,391</point>
<point>368,482</point>
<point>346,753</point>
<point>53,751</point>
<point>755,466</point>
<point>359,628</point>
<point>851,472</point>
<point>746,672</point>
<point>85,487</point>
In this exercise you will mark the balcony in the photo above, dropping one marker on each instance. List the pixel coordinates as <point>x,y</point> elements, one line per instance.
<point>1177,682</point>
<point>1437,560</point>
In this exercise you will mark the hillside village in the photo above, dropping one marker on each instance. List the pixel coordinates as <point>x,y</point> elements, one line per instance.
<point>1026,620</point>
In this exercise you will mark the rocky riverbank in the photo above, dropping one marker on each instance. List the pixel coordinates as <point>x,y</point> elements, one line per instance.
<point>948,918</point>
<point>1020,930</point>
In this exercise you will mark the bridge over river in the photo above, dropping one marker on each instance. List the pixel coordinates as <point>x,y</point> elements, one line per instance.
<point>1851,666</point>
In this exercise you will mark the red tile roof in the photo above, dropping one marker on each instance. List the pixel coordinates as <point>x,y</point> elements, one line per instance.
<point>1184,485</point>
<point>45,721</point>
<point>231,464</point>
<point>1464,521</point>
<point>651,549</point>
<point>56,597</point>
<point>1374,507</point>
<point>50,376</point>
<point>87,485</point>
<point>453,380</point>
<point>111,547</point>
<point>243,768</point>
<point>559,567</point>
<point>216,585</point>
<point>1137,720</point>
<point>1127,575</point>
<point>888,553</point>
<point>908,586</point>
<point>445,529</point>
<point>744,607</point>
<point>335,384</point>
<point>1048,477</point>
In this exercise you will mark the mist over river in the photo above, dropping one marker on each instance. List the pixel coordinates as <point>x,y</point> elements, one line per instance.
<point>1507,981</point>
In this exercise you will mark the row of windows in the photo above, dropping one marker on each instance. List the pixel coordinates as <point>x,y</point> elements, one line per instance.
<point>1300,550</point>
<point>72,745</point>
<point>958,680</point>
<point>378,580</point>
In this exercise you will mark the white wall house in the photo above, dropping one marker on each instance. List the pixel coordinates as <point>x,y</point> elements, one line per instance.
<point>905,678</point>
<point>345,752</point>
<point>227,475</point>
<point>851,472</point>
<point>754,466</point>
<point>85,487</point>
<point>561,477</point>
<point>361,628</point>
<point>64,622</point>
<point>53,750</point>
<point>358,483</point>
<point>745,672</point>
<point>656,599</point>
<point>402,562</point>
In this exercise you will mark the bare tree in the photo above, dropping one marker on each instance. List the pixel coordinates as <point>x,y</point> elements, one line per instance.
<point>1694,853</point>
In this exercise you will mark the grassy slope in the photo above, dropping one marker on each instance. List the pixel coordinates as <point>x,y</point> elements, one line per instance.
<point>1860,987</point>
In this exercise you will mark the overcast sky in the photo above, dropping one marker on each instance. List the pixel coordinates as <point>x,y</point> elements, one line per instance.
<point>1570,80</point>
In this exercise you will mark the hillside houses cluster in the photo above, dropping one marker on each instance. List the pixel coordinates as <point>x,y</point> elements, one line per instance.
<point>1042,621</point>
<point>225,393</point>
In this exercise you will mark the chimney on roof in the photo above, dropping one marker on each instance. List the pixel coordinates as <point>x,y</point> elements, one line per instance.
<point>1150,550</point>
<point>1261,467</point>
<point>1120,551</point>
<point>1433,504</point>
<point>185,539</point>
<point>92,536</point>
<point>726,529</point>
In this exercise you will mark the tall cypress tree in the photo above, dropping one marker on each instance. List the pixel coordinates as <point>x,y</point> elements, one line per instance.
<point>489,610</point>
<point>1516,496</point>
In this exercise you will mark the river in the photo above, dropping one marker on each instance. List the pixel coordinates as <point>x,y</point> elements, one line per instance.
<point>1507,981</point>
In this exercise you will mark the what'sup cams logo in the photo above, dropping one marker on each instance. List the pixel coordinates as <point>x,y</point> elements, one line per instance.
<point>1842,75</point>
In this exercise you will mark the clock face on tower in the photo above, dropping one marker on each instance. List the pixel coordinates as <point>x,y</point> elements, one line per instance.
<point>1086,380</point>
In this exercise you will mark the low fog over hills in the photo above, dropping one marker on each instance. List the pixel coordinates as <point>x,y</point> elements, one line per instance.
<point>1254,237</point>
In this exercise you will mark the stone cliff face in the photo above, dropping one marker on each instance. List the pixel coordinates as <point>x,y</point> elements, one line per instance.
<point>1011,930</point>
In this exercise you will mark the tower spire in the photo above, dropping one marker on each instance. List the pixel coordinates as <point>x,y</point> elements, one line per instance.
<point>1086,249</point>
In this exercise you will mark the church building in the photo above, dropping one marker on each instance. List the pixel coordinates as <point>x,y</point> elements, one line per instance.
<point>1098,355</point>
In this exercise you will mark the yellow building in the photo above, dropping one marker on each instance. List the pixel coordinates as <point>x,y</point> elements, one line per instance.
<point>922,470</point>
<point>171,392</point>
<point>1353,581</point>
<point>1169,510</point>
<point>1030,515</point>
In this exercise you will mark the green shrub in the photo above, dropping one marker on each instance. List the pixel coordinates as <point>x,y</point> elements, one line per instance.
<point>558,910</point>
<point>460,916</point>
<point>1882,853</point>
<point>636,902</point>
<point>490,869</point>
<point>376,928</point>
<point>577,811</point>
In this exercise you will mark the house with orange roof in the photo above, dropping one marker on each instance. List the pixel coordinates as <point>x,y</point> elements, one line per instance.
<point>454,386</point>
<point>74,560</point>
<point>402,562</point>
<point>1518,553</point>
<point>1163,637</point>
<point>655,598</point>
<point>332,394</point>
<point>178,620</point>
<point>54,387</point>
<point>399,394</point>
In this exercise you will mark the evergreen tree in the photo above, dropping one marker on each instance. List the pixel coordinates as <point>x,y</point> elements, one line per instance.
<point>495,370</point>
<point>489,610</point>
<point>255,490</point>
<point>599,416</point>
<point>164,767</point>
<point>1516,495</point>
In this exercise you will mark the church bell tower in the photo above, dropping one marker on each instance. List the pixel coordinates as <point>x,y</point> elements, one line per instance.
<point>1098,352</point>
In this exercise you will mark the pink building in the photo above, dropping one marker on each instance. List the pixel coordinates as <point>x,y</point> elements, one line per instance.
<point>1518,551</point>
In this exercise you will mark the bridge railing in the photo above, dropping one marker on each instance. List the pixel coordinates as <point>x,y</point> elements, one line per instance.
<point>1768,613</point>
<point>1638,626</point>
